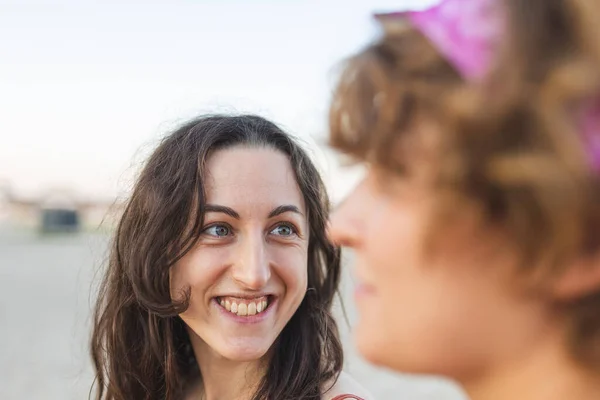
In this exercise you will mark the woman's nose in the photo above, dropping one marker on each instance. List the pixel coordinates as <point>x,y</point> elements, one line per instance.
<point>252,270</point>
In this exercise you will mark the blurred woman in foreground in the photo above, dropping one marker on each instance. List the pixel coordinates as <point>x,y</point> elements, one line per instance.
<point>477,226</point>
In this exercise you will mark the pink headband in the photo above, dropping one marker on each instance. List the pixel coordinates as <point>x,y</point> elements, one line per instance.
<point>468,33</point>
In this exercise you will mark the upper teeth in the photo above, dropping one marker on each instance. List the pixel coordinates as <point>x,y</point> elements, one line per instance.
<point>243,307</point>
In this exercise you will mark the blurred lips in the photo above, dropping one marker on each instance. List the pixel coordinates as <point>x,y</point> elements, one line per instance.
<point>362,290</point>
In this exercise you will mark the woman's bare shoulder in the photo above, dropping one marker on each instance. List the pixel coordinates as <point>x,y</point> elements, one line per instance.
<point>346,385</point>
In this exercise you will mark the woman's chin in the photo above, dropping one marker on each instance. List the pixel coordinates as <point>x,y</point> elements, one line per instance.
<point>245,351</point>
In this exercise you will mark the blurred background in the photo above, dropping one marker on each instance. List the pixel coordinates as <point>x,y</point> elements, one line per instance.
<point>86,91</point>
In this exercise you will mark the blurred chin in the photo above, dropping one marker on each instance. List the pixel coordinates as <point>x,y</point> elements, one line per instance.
<point>382,348</point>
<point>381,352</point>
<point>370,344</point>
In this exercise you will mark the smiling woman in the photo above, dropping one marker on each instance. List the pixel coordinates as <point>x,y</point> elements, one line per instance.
<point>221,277</point>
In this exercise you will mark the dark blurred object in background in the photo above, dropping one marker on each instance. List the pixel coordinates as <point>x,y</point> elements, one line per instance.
<point>60,220</point>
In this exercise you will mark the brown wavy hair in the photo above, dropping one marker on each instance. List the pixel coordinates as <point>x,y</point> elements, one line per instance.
<point>510,145</point>
<point>140,347</point>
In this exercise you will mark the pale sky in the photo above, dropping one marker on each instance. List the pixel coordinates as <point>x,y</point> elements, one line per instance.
<point>88,87</point>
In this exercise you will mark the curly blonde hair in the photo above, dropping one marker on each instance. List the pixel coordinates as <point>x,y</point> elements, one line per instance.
<point>511,145</point>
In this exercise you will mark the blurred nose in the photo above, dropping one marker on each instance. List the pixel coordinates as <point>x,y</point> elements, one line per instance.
<point>346,223</point>
<point>252,270</point>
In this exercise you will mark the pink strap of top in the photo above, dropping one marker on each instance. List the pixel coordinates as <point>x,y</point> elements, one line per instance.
<point>346,397</point>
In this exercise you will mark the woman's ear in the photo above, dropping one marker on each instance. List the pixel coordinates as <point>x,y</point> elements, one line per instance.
<point>581,278</point>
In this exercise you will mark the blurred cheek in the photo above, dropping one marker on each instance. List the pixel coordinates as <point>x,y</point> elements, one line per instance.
<point>392,241</point>
<point>430,313</point>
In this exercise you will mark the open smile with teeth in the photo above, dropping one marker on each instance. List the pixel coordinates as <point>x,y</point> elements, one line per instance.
<point>244,307</point>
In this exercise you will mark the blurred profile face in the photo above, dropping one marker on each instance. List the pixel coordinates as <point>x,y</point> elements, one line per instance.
<point>248,271</point>
<point>440,306</point>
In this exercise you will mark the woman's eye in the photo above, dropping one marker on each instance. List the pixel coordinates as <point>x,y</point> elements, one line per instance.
<point>284,230</point>
<point>217,230</point>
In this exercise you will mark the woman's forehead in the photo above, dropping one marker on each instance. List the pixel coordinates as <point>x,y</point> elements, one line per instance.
<point>251,178</point>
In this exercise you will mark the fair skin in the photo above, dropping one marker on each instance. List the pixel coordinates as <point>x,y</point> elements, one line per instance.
<point>449,304</point>
<point>252,253</point>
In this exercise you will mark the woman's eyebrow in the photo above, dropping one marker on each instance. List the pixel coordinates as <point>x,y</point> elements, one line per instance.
<point>221,209</point>
<point>283,209</point>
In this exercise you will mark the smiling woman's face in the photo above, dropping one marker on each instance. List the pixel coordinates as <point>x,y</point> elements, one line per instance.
<point>248,271</point>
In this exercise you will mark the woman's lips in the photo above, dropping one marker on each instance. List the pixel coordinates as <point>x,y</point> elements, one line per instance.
<point>244,306</point>
<point>238,317</point>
